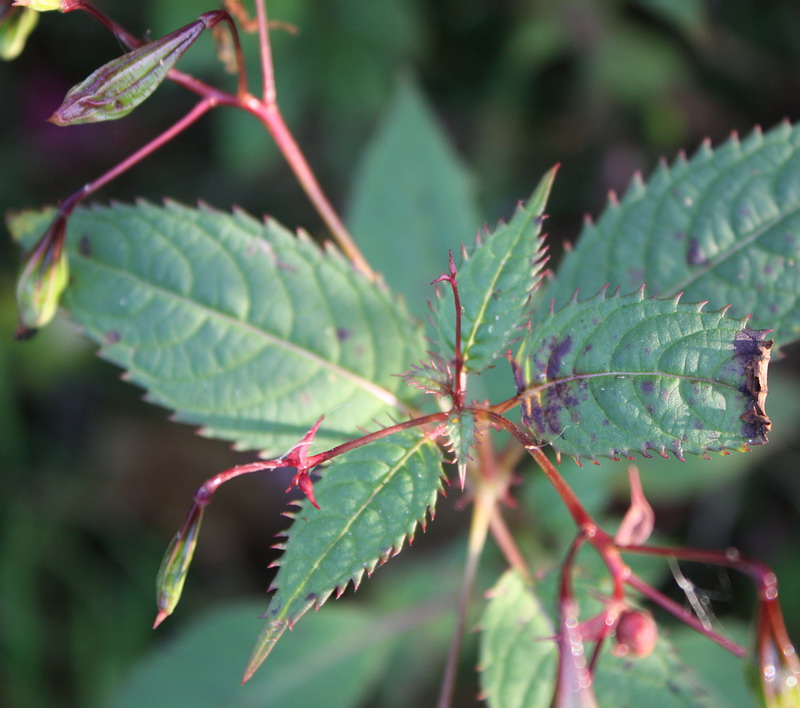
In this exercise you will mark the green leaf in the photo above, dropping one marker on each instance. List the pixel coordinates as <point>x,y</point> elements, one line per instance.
<point>237,325</point>
<point>412,198</point>
<point>519,659</point>
<point>723,226</point>
<point>461,438</point>
<point>334,661</point>
<point>609,376</point>
<point>495,283</point>
<point>371,499</point>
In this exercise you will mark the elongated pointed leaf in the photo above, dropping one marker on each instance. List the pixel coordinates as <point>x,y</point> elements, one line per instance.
<point>371,500</point>
<point>235,324</point>
<point>495,284</point>
<point>609,376</point>
<point>519,657</point>
<point>723,226</point>
<point>412,198</point>
<point>461,438</point>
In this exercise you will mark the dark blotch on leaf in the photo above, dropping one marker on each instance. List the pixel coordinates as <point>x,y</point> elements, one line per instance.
<point>695,255</point>
<point>648,386</point>
<point>558,351</point>
<point>111,337</point>
<point>84,246</point>
<point>343,334</point>
<point>753,349</point>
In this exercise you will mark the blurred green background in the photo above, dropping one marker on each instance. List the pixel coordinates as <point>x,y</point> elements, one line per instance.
<point>95,481</point>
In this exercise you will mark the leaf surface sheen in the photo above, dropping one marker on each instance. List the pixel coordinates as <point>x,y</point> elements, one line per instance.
<point>238,325</point>
<point>371,500</point>
<point>723,226</point>
<point>611,376</point>
<point>496,280</point>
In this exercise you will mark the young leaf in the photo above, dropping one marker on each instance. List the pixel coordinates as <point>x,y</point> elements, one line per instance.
<point>608,376</point>
<point>412,198</point>
<point>723,226</point>
<point>461,438</point>
<point>236,324</point>
<point>495,283</point>
<point>371,499</point>
<point>518,660</point>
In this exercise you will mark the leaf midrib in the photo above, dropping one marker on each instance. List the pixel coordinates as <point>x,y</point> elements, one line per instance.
<point>361,509</point>
<point>478,321</point>
<point>370,387</point>
<point>533,390</point>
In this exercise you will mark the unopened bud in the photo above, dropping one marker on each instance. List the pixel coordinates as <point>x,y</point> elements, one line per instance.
<point>774,667</point>
<point>43,280</point>
<point>636,634</point>
<point>175,565</point>
<point>41,5</point>
<point>118,87</point>
<point>16,24</point>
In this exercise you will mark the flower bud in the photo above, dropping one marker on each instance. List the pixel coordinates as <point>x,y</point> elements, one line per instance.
<point>636,634</point>
<point>121,85</point>
<point>41,5</point>
<point>43,280</point>
<point>774,666</point>
<point>16,24</point>
<point>175,565</point>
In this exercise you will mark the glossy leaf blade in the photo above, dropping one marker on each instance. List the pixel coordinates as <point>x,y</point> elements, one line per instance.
<point>371,500</point>
<point>723,226</point>
<point>412,198</point>
<point>519,657</point>
<point>235,324</point>
<point>495,283</point>
<point>611,376</point>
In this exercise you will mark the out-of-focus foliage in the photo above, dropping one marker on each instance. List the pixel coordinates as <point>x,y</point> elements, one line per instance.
<point>94,482</point>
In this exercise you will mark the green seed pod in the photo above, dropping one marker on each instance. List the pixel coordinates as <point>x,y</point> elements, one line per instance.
<point>121,85</point>
<point>16,24</point>
<point>43,280</point>
<point>175,565</point>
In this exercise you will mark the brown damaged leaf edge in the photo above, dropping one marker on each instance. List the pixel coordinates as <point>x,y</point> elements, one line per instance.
<point>754,349</point>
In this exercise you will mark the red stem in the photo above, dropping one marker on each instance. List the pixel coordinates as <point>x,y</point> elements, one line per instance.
<point>202,107</point>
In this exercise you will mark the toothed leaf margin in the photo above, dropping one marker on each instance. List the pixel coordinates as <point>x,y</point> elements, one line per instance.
<point>371,500</point>
<point>621,374</point>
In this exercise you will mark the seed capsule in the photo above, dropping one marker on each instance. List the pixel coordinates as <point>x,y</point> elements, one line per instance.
<point>119,86</point>
<point>43,280</point>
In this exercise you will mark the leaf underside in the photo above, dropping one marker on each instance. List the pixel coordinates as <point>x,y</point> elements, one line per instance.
<point>723,226</point>
<point>371,500</point>
<point>496,280</point>
<point>518,660</point>
<point>237,325</point>
<point>611,376</point>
